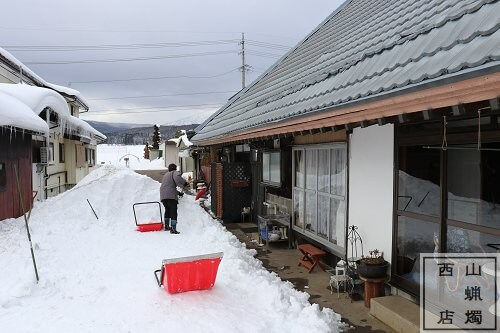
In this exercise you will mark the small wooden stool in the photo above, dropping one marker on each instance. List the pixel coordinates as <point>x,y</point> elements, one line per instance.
<point>373,288</point>
<point>311,257</point>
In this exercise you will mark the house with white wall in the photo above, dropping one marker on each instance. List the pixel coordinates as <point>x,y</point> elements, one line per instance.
<point>385,117</point>
<point>177,152</point>
<point>67,153</point>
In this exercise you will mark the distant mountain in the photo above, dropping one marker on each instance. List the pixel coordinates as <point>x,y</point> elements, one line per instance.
<point>112,127</point>
<point>135,134</point>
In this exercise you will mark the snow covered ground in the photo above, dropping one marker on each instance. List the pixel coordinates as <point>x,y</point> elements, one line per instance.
<point>114,155</point>
<point>97,275</point>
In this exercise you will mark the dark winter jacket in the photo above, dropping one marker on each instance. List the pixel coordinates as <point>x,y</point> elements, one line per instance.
<point>169,183</point>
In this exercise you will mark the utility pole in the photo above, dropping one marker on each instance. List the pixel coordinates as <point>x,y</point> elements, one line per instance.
<point>244,66</point>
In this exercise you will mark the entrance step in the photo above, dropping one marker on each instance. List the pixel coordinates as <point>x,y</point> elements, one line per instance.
<point>396,312</point>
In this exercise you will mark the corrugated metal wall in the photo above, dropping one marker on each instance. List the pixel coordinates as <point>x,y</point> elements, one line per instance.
<point>15,149</point>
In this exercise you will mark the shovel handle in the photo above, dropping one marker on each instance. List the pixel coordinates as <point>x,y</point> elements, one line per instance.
<point>146,203</point>
<point>158,280</point>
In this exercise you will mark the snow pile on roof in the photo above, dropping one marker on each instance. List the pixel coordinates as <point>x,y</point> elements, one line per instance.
<point>64,90</point>
<point>97,275</point>
<point>84,129</point>
<point>183,138</point>
<point>38,99</point>
<point>13,113</point>
<point>67,91</point>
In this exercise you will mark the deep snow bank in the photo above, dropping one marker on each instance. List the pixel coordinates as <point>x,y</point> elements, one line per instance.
<point>115,154</point>
<point>97,275</point>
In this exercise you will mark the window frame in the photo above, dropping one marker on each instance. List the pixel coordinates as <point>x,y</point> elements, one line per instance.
<point>337,249</point>
<point>269,181</point>
<point>51,157</point>
<point>90,156</point>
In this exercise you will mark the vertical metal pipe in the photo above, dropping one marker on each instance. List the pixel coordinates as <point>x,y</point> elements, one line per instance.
<point>47,142</point>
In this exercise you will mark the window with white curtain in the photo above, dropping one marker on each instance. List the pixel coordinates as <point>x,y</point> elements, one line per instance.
<point>271,166</point>
<point>319,191</point>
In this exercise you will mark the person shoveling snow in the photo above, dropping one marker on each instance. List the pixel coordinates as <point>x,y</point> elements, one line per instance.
<point>169,196</point>
<point>96,275</point>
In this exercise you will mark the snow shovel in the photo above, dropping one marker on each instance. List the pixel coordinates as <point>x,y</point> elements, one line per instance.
<point>183,274</point>
<point>151,226</point>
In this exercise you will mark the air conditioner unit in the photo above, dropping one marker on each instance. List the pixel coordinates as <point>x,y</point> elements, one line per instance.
<point>44,154</point>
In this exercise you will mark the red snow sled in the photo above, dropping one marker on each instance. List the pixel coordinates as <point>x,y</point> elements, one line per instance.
<point>188,273</point>
<point>151,226</point>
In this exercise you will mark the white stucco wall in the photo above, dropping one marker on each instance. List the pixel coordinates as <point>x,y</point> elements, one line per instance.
<point>371,163</point>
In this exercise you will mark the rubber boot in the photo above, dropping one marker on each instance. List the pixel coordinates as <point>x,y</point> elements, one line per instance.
<point>167,224</point>
<point>173,229</point>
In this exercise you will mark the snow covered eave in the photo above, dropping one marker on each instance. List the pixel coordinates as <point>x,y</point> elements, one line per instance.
<point>82,129</point>
<point>16,115</point>
<point>37,98</point>
<point>69,93</point>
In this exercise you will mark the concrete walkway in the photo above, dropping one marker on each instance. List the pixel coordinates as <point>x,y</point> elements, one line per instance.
<point>283,261</point>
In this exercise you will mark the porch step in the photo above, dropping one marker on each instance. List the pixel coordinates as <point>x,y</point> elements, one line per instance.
<point>396,312</point>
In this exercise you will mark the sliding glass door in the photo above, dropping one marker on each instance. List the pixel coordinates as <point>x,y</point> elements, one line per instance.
<point>319,193</point>
<point>473,199</point>
<point>448,200</point>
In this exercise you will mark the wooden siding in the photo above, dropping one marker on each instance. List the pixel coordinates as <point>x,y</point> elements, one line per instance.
<point>15,149</point>
<point>320,138</point>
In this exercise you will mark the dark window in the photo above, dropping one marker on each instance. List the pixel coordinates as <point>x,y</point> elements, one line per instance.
<point>3,177</point>
<point>35,151</point>
<point>473,191</point>
<point>418,180</point>
<point>61,153</point>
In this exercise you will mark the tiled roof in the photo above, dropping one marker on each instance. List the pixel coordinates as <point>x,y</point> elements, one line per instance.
<point>365,49</point>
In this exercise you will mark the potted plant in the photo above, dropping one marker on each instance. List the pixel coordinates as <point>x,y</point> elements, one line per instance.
<point>373,266</point>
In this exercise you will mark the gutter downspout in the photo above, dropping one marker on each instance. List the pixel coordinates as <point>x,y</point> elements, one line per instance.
<point>47,142</point>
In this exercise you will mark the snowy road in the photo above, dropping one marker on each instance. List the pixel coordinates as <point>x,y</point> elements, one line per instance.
<point>97,275</point>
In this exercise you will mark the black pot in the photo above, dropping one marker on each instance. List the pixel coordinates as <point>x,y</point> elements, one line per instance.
<point>372,271</point>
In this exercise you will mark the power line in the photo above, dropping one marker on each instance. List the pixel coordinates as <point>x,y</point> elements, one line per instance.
<point>68,29</point>
<point>92,61</point>
<point>268,45</point>
<point>163,95</point>
<point>175,107</point>
<point>59,48</point>
<point>144,111</point>
<point>157,78</point>
<point>99,47</point>
<point>264,54</point>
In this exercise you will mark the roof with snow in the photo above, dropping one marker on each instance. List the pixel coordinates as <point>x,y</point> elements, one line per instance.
<point>15,114</point>
<point>182,139</point>
<point>22,97</point>
<point>365,49</point>
<point>37,98</point>
<point>67,92</point>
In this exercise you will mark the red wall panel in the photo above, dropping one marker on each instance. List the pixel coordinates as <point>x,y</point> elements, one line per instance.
<point>15,149</point>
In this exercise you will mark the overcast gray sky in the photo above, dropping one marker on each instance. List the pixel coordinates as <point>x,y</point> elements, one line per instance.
<point>196,41</point>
